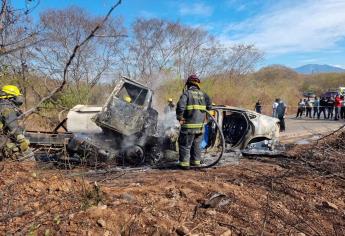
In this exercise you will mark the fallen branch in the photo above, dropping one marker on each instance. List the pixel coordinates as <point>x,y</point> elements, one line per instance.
<point>111,178</point>
<point>266,213</point>
<point>330,134</point>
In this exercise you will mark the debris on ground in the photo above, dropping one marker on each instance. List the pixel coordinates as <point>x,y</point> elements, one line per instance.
<point>302,193</point>
<point>216,200</point>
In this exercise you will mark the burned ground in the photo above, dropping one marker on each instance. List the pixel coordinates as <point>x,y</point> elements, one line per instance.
<point>302,193</point>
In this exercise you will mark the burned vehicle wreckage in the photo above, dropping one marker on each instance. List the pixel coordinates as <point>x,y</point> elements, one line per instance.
<point>127,131</point>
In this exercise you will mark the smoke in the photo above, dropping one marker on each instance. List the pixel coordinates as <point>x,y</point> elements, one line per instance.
<point>168,125</point>
<point>168,120</point>
<point>159,78</point>
<point>156,81</point>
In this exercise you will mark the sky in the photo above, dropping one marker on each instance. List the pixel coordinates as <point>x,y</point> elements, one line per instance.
<point>289,32</point>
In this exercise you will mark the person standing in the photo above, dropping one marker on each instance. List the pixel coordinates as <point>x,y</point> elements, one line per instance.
<point>258,107</point>
<point>281,111</point>
<point>190,112</point>
<point>309,107</point>
<point>342,109</point>
<point>316,107</point>
<point>274,107</point>
<point>322,108</point>
<point>300,109</point>
<point>170,107</point>
<point>337,106</point>
<point>330,108</point>
<point>12,141</point>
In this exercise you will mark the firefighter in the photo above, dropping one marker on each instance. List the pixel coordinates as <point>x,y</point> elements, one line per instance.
<point>12,141</point>
<point>170,106</point>
<point>190,112</point>
<point>127,99</point>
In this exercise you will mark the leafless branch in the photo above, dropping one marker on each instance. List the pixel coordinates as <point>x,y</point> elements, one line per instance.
<point>330,134</point>
<point>72,56</point>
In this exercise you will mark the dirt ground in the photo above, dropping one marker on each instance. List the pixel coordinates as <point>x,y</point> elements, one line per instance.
<point>302,193</point>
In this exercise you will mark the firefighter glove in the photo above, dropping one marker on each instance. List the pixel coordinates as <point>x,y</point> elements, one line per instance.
<point>23,142</point>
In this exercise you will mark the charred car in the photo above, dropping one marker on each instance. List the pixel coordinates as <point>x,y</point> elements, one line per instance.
<point>248,131</point>
<point>128,130</point>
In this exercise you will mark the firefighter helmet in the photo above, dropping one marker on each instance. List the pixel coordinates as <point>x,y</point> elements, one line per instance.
<point>127,99</point>
<point>193,79</point>
<point>11,91</point>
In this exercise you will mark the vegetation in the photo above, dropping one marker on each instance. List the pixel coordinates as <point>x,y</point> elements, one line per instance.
<point>50,59</point>
<point>71,57</point>
<point>267,84</point>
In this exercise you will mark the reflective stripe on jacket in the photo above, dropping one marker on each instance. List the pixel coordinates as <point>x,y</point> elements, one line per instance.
<point>191,109</point>
<point>8,118</point>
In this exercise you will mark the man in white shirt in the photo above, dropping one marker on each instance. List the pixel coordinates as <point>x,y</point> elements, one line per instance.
<point>274,108</point>
<point>301,108</point>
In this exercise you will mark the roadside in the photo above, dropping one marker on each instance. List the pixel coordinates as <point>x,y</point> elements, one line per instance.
<point>299,129</point>
<point>302,194</point>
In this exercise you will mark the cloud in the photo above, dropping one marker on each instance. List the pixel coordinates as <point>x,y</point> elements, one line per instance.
<point>147,14</point>
<point>293,26</point>
<point>310,60</point>
<point>237,5</point>
<point>337,65</point>
<point>196,9</point>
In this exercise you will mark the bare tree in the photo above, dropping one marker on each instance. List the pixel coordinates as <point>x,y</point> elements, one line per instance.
<point>157,49</point>
<point>62,30</point>
<point>160,47</point>
<point>16,30</point>
<point>76,49</point>
<point>17,36</point>
<point>72,55</point>
<point>241,59</point>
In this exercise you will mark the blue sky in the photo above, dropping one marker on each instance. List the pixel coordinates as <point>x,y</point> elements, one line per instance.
<point>289,32</point>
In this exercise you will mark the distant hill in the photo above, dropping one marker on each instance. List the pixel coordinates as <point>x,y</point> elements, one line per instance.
<point>274,73</point>
<point>315,69</point>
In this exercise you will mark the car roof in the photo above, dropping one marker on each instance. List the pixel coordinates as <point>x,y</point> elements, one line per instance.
<point>134,82</point>
<point>231,108</point>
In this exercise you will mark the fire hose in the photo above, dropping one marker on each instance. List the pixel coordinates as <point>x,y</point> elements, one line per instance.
<point>222,144</point>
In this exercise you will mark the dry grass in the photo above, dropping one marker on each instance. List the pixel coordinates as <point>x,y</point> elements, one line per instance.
<point>267,85</point>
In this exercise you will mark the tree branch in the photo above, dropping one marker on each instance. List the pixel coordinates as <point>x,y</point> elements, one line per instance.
<point>72,56</point>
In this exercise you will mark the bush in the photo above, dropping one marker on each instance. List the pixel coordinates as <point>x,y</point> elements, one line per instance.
<point>267,84</point>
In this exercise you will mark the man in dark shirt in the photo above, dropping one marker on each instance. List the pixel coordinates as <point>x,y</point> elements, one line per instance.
<point>330,108</point>
<point>281,111</point>
<point>258,107</point>
<point>322,108</point>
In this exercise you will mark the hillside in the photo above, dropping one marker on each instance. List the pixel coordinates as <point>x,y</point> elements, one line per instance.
<point>315,69</point>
